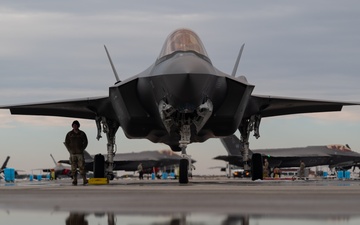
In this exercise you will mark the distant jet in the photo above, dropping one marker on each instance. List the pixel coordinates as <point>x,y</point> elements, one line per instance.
<point>59,169</point>
<point>180,99</point>
<point>4,166</point>
<point>340,157</point>
<point>130,161</point>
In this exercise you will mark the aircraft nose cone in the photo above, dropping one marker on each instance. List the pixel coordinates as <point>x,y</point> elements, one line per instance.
<point>186,80</point>
<point>186,91</point>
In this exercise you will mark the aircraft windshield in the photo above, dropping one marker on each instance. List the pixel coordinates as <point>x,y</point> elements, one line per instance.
<point>182,40</point>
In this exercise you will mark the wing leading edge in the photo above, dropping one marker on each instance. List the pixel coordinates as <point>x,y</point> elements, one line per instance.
<point>87,108</point>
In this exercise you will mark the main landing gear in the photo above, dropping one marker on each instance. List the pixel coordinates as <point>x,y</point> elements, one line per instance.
<point>110,128</point>
<point>246,126</point>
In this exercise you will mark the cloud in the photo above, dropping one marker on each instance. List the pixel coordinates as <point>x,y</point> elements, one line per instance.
<point>11,121</point>
<point>348,114</point>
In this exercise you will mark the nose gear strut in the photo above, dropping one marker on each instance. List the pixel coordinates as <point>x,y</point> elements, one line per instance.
<point>184,167</point>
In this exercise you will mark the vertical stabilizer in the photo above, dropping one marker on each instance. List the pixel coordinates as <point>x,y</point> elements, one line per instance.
<point>232,145</point>
<point>237,61</point>
<point>87,157</point>
<point>112,65</point>
<point>53,159</point>
<point>5,163</point>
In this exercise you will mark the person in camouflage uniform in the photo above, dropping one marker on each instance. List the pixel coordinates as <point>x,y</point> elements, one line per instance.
<point>266,168</point>
<point>302,170</point>
<point>76,143</point>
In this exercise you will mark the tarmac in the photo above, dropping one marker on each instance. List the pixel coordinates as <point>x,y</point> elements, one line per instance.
<point>201,195</point>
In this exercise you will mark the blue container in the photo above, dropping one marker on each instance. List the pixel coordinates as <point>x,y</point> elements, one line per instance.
<point>48,176</point>
<point>9,174</point>
<point>39,177</point>
<point>347,174</point>
<point>164,175</point>
<point>153,176</point>
<point>325,174</point>
<point>340,174</point>
<point>31,177</point>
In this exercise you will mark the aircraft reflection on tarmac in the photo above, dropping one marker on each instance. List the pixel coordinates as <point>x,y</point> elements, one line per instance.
<point>110,218</point>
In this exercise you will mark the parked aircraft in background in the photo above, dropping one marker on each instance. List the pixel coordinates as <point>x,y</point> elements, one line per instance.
<point>59,169</point>
<point>340,157</point>
<point>4,166</point>
<point>130,161</point>
<point>180,99</point>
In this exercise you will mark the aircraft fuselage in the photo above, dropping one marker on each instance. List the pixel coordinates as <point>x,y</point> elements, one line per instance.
<point>183,89</point>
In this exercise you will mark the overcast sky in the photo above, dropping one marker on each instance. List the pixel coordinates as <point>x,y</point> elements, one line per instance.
<point>54,51</point>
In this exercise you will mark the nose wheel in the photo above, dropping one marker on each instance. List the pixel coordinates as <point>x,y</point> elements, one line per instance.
<point>183,171</point>
<point>184,162</point>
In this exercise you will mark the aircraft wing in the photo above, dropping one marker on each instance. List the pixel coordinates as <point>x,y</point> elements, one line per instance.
<point>236,160</point>
<point>268,106</point>
<point>131,165</point>
<point>345,165</point>
<point>87,108</point>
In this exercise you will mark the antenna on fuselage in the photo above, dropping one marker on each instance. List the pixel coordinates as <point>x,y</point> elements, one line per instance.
<point>112,65</point>
<point>237,61</point>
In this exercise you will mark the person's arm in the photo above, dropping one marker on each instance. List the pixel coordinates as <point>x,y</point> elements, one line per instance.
<point>85,141</point>
<point>67,142</point>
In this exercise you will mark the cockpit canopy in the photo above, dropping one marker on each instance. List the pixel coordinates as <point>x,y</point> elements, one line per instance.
<point>182,40</point>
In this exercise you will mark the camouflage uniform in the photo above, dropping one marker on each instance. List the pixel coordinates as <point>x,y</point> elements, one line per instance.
<point>302,169</point>
<point>76,142</point>
<point>141,172</point>
<point>266,168</point>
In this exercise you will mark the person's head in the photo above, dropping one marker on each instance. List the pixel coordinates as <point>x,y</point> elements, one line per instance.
<point>75,125</point>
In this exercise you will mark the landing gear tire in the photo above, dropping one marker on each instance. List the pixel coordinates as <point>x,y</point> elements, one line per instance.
<point>256,167</point>
<point>183,171</point>
<point>111,176</point>
<point>99,166</point>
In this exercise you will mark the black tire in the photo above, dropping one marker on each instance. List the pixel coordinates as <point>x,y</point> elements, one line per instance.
<point>99,166</point>
<point>183,171</point>
<point>111,176</point>
<point>256,167</point>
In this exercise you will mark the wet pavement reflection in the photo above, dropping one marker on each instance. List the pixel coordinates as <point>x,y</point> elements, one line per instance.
<point>18,217</point>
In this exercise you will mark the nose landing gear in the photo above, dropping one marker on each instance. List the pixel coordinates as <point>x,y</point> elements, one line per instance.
<point>186,160</point>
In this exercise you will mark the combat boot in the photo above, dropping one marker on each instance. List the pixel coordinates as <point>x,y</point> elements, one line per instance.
<point>74,181</point>
<point>85,180</point>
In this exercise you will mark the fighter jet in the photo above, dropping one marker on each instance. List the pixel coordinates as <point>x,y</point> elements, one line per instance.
<point>130,161</point>
<point>336,156</point>
<point>4,166</point>
<point>59,169</point>
<point>180,99</point>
